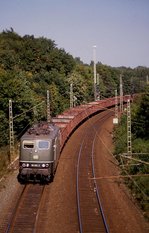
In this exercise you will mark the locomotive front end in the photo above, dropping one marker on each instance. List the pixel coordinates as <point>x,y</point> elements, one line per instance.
<point>35,160</point>
<point>37,157</point>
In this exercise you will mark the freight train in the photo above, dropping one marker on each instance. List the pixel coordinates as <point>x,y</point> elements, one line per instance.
<point>39,153</point>
<point>41,145</point>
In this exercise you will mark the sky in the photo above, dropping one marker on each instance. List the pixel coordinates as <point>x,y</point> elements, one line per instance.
<point>118,28</point>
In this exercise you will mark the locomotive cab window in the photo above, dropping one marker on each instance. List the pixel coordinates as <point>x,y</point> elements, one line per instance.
<point>28,144</point>
<point>43,145</point>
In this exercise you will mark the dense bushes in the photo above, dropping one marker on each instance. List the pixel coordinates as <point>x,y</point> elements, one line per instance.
<point>30,66</point>
<point>138,166</point>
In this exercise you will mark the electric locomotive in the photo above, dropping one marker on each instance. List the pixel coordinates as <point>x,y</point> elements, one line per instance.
<point>39,153</point>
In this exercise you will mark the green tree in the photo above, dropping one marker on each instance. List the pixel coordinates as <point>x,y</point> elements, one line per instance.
<point>141,119</point>
<point>15,86</point>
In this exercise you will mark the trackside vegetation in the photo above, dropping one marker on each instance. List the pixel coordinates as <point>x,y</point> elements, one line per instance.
<point>30,66</point>
<point>136,168</point>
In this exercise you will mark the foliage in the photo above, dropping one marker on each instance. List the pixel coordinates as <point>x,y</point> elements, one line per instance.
<point>120,136</point>
<point>140,146</point>
<point>142,118</point>
<point>30,66</point>
<point>108,80</point>
<point>15,87</point>
<point>82,84</point>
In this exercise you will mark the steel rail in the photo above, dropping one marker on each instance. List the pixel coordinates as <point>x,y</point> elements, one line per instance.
<point>93,173</point>
<point>97,189</point>
<point>26,200</point>
<point>38,211</point>
<point>12,217</point>
<point>77,188</point>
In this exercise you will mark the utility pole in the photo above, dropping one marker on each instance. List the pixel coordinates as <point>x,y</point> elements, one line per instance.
<point>71,95</point>
<point>48,107</point>
<point>129,147</point>
<point>11,133</point>
<point>95,77</point>
<point>121,94</point>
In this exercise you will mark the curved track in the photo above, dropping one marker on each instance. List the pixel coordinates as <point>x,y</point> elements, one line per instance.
<point>90,211</point>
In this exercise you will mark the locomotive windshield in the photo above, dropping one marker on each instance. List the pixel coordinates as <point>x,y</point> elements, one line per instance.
<point>28,144</point>
<point>43,145</point>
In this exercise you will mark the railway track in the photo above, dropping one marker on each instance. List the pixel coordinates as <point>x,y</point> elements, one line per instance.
<point>29,214</point>
<point>90,211</point>
<point>24,217</point>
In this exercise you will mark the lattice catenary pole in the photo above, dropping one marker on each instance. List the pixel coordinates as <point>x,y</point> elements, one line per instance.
<point>115,119</point>
<point>129,146</point>
<point>98,88</point>
<point>71,95</point>
<point>11,133</point>
<point>95,76</point>
<point>48,107</point>
<point>116,105</point>
<point>121,94</point>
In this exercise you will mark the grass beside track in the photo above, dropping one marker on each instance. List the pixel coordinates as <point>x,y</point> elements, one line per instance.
<point>5,160</point>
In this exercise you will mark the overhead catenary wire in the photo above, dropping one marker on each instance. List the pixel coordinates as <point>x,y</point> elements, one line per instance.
<point>118,176</point>
<point>28,110</point>
<point>22,131</point>
<point>117,164</point>
<point>11,119</point>
<point>137,160</point>
<point>102,108</point>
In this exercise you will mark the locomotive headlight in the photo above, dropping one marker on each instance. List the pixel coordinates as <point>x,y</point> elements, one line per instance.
<point>47,165</point>
<point>25,164</point>
<point>43,165</point>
